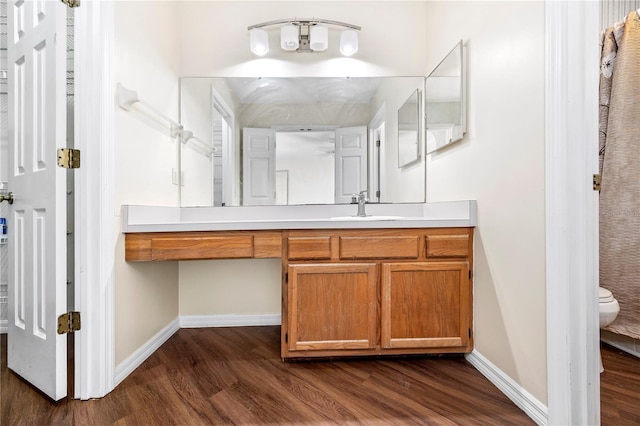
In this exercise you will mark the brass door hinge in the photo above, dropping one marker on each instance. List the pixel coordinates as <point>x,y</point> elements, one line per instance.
<point>69,158</point>
<point>597,182</point>
<point>69,322</point>
<point>71,3</point>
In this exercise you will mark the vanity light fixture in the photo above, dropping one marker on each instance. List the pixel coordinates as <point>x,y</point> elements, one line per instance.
<point>303,35</point>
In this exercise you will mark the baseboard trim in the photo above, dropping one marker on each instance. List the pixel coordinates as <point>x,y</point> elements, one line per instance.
<point>622,342</point>
<point>621,347</point>
<point>516,393</point>
<point>4,326</point>
<point>198,321</point>
<point>134,360</point>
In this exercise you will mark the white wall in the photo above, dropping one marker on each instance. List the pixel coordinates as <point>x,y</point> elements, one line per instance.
<point>215,42</point>
<point>500,163</point>
<point>146,60</point>
<point>232,287</point>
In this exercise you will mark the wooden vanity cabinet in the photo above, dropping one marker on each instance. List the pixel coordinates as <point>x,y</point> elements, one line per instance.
<point>354,292</point>
<point>376,292</point>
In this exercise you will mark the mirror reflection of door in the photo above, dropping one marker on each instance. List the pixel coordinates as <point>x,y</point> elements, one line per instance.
<point>351,162</point>
<point>258,167</point>
<point>312,167</point>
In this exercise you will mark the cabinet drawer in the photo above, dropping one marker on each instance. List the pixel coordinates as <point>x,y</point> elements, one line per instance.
<point>309,248</point>
<point>401,247</point>
<point>447,246</point>
<point>232,247</point>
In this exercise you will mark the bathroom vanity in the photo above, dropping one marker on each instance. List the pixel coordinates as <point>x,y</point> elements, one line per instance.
<point>376,291</point>
<point>380,285</point>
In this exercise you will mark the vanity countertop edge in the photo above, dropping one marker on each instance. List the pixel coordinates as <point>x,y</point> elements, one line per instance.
<point>142,219</point>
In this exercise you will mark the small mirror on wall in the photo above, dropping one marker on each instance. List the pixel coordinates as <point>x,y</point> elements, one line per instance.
<point>445,101</point>
<point>409,130</point>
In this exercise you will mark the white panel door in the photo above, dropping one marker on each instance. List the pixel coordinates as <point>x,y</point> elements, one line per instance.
<point>351,162</point>
<point>37,224</point>
<point>258,167</point>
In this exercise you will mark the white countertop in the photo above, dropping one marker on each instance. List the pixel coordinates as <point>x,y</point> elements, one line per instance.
<point>183,219</point>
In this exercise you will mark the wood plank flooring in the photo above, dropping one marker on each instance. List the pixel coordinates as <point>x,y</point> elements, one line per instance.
<point>236,376</point>
<point>619,388</point>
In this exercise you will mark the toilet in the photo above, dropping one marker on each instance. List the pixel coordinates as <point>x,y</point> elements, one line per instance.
<point>609,308</point>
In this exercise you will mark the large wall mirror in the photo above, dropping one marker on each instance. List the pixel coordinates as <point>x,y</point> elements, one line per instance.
<point>277,141</point>
<point>445,101</point>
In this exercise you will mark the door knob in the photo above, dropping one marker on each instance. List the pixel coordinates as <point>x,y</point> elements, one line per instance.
<point>8,197</point>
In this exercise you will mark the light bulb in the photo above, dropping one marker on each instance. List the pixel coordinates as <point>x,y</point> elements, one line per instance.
<point>259,41</point>
<point>289,37</point>
<point>319,38</point>
<point>348,42</point>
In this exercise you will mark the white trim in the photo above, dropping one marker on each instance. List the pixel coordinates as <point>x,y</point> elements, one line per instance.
<point>136,359</point>
<point>516,393</point>
<point>571,146</point>
<point>375,161</point>
<point>198,321</point>
<point>623,347</point>
<point>4,326</point>
<point>95,233</point>
<point>228,150</point>
<point>620,341</point>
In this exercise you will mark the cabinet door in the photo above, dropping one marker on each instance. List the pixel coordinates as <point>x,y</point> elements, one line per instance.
<point>425,305</point>
<point>332,306</point>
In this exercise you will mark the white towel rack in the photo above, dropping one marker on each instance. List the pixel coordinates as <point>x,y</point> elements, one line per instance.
<point>188,139</point>
<point>128,100</point>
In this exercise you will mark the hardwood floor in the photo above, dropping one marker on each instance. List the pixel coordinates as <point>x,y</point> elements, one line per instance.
<point>619,388</point>
<point>236,376</point>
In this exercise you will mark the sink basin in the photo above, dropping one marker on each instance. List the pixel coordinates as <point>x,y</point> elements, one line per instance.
<point>361,218</point>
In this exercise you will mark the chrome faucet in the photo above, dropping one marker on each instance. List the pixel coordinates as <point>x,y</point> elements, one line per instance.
<point>362,199</point>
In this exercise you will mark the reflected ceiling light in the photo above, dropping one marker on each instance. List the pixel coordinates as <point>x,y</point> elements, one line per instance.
<point>289,35</point>
<point>259,41</point>
<point>348,42</point>
<point>319,38</point>
<point>304,35</point>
